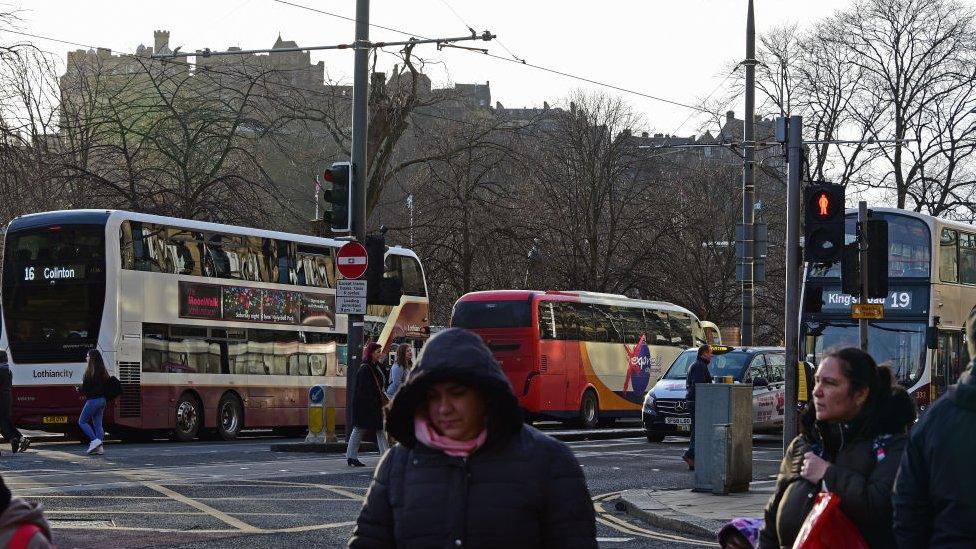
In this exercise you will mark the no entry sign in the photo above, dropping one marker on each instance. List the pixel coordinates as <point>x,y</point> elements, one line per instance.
<point>351,260</point>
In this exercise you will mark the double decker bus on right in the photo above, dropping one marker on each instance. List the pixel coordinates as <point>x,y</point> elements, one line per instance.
<point>931,290</point>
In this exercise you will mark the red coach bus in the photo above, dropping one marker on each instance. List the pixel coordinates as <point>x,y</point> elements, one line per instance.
<point>579,356</point>
<point>208,327</point>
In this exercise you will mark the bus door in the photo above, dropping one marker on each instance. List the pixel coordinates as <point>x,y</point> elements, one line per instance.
<point>949,362</point>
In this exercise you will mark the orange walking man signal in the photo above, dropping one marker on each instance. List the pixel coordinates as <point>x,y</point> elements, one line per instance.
<point>824,203</point>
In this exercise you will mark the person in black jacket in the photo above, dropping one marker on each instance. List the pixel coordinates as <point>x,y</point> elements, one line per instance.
<point>18,442</point>
<point>698,373</point>
<point>367,405</point>
<point>935,492</point>
<point>467,471</point>
<point>93,387</point>
<point>851,444</point>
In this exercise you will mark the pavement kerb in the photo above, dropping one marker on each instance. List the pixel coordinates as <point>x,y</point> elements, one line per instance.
<point>662,520</point>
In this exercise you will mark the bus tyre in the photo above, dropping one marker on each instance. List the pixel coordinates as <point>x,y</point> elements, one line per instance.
<point>189,416</point>
<point>589,411</point>
<point>230,417</point>
<point>655,437</point>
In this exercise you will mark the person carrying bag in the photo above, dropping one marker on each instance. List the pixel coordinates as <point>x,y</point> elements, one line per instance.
<point>827,526</point>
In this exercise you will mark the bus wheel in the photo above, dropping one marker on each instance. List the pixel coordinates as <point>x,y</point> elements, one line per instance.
<point>230,417</point>
<point>188,418</point>
<point>589,411</point>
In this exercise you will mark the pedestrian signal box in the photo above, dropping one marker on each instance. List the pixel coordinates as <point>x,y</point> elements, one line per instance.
<point>823,222</point>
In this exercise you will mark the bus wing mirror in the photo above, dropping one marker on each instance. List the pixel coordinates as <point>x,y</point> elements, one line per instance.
<point>932,337</point>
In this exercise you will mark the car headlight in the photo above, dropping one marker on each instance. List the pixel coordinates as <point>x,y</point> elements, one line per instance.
<point>648,403</point>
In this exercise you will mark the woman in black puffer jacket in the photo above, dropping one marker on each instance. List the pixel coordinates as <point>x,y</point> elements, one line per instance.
<point>467,472</point>
<point>852,442</point>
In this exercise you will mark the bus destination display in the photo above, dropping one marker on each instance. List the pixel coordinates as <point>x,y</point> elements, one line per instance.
<point>45,273</point>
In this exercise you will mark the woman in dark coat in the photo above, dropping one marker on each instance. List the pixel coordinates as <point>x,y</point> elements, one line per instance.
<point>367,405</point>
<point>467,472</point>
<point>852,442</point>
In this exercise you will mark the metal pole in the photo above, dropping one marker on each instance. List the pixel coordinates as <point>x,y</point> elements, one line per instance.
<point>749,183</point>
<point>862,248</point>
<point>794,151</point>
<point>359,112</point>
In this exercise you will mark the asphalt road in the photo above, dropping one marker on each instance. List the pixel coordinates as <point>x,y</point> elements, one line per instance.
<point>239,494</point>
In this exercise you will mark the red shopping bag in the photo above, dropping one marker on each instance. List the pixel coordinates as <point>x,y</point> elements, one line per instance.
<point>827,526</point>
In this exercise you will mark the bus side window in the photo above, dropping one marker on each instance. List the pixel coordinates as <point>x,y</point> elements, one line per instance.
<point>657,326</point>
<point>547,320</point>
<point>567,321</point>
<point>680,328</point>
<point>948,256</point>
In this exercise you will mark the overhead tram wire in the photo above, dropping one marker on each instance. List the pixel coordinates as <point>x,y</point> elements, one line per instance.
<point>470,28</point>
<point>212,70</point>
<point>519,62</point>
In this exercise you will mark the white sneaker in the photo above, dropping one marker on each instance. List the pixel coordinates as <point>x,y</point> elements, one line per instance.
<point>100,450</point>
<point>93,446</point>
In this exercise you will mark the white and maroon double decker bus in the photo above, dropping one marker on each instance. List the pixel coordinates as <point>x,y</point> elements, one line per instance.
<point>211,328</point>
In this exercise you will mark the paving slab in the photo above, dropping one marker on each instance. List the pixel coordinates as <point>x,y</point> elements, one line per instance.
<point>697,513</point>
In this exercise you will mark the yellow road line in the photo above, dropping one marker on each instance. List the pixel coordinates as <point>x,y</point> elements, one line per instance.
<point>215,513</point>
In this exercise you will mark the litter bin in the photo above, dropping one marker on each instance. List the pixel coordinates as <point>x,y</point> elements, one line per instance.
<point>723,437</point>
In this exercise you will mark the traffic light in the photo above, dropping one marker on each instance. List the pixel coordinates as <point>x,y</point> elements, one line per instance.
<point>823,222</point>
<point>381,289</point>
<point>877,265</point>
<point>338,197</point>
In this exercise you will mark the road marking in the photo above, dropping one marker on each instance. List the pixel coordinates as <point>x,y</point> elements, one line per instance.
<point>215,513</point>
<point>614,540</point>
<point>607,519</point>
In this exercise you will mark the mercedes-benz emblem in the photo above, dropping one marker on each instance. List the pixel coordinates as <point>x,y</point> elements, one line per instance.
<point>679,406</point>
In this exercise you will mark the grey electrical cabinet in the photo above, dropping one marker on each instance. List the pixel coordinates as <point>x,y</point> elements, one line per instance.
<point>723,437</point>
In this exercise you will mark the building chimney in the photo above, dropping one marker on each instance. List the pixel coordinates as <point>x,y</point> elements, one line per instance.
<point>160,40</point>
<point>730,116</point>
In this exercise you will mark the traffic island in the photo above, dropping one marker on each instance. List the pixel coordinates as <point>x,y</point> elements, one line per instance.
<point>695,513</point>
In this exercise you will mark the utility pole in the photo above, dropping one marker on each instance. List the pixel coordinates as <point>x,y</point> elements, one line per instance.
<point>862,249</point>
<point>794,156</point>
<point>749,185</point>
<point>354,339</point>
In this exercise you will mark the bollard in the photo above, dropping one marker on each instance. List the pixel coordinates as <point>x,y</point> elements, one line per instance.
<point>321,414</point>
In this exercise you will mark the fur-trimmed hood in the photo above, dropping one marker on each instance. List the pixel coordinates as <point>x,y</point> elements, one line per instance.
<point>456,355</point>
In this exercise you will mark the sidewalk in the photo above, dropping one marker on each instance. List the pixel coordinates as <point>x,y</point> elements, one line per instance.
<point>697,513</point>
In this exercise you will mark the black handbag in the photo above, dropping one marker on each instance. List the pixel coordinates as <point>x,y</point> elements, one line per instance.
<point>113,388</point>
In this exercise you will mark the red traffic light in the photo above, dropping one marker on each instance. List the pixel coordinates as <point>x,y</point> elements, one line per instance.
<point>823,205</point>
<point>329,176</point>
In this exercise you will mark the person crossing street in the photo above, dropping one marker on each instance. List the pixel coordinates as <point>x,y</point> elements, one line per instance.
<point>18,442</point>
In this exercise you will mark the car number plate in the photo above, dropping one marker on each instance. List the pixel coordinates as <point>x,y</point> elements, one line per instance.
<point>54,419</point>
<point>677,420</point>
<point>684,428</point>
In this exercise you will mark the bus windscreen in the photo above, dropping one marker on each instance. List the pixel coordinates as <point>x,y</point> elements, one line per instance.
<point>475,315</point>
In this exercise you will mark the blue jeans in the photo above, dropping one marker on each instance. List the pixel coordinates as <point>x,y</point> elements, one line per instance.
<point>91,416</point>
<point>690,453</point>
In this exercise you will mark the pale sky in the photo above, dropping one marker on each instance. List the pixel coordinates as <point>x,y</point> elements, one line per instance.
<point>678,50</point>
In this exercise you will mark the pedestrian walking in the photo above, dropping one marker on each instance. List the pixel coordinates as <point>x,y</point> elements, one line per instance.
<point>467,471</point>
<point>93,386</point>
<point>22,524</point>
<point>367,405</point>
<point>403,365</point>
<point>935,492</point>
<point>851,444</point>
<point>18,442</point>
<point>698,373</point>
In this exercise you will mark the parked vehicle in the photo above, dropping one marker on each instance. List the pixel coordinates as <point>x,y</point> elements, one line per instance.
<point>666,412</point>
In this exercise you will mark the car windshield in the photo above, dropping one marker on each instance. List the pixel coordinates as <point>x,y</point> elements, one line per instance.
<point>728,364</point>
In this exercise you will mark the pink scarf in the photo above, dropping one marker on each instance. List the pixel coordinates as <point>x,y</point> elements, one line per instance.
<point>426,434</point>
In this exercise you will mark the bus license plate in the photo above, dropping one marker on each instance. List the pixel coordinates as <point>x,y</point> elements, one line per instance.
<point>54,419</point>
<point>677,420</point>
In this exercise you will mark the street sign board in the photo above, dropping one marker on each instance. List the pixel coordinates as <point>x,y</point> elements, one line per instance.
<point>867,311</point>
<point>351,260</point>
<point>350,305</point>
<point>351,288</point>
<point>316,394</point>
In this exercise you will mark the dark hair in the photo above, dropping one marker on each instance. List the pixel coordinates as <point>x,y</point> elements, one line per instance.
<point>96,366</point>
<point>371,347</point>
<point>704,349</point>
<point>863,372</point>
<point>401,355</point>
